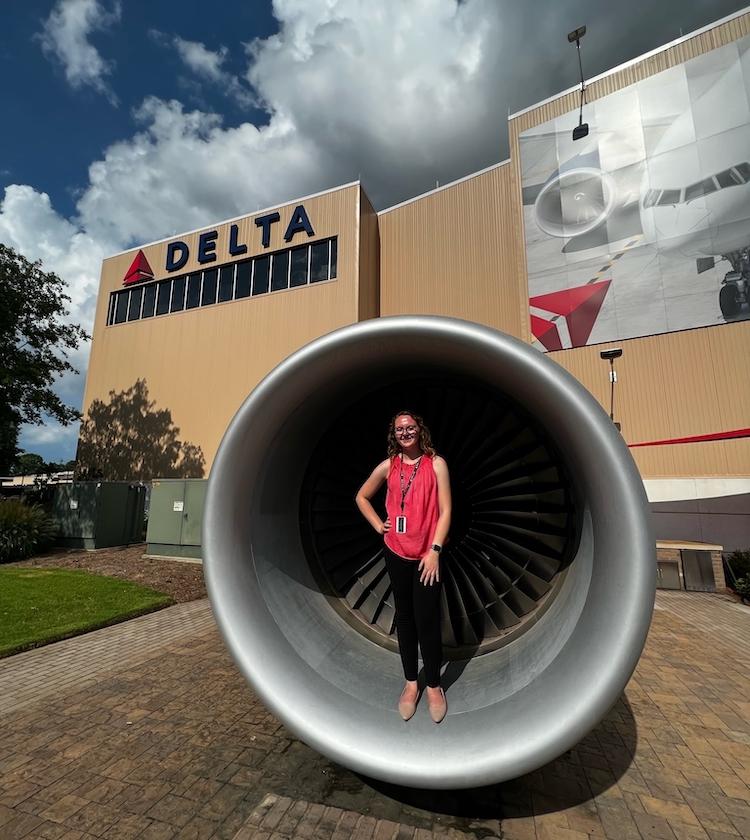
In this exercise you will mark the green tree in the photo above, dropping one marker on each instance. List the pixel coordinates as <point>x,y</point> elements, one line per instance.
<point>28,463</point>
<point>34,345</point>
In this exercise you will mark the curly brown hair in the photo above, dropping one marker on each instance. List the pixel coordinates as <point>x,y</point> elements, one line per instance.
<point>425,439</point>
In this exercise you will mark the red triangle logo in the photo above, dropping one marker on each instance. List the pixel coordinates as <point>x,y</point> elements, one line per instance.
<point>546,333</point>
<point>139,270</point>
<point>579,306</point>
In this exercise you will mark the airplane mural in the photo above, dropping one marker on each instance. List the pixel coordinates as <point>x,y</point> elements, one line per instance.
<point>659,192</point>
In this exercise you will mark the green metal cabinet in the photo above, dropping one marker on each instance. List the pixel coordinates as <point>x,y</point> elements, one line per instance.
<point>176,517</point>
<point>99,514</point>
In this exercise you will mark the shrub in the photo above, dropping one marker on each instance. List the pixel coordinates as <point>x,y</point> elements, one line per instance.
<point>24,529</point>
<point>739,567</point>
<point>742,587</point>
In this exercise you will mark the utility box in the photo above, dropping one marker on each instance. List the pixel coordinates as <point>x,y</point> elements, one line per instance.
<point>99,514</point>
<point>175,517</point>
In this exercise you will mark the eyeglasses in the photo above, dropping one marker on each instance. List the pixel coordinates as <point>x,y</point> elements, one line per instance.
<point>405,430</point>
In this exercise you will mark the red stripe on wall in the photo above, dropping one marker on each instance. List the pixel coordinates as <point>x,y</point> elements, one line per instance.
<point>736,433</point>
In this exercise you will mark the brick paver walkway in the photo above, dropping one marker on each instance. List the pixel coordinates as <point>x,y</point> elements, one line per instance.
<point>82,661</point>
<point>146,730</point>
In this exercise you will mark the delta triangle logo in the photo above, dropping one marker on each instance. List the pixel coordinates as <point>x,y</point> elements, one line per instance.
<point>139,270</point>
<point>579,307</point>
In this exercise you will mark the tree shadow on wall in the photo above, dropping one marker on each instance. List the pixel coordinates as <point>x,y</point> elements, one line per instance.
<point>128,439</point>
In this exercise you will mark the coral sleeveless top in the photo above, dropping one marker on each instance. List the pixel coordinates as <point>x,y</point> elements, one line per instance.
<point>420,507</point>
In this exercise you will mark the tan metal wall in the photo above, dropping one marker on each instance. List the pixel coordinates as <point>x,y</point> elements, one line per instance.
<point>675,385</point>
<point>454,252</point>
<point>369,260</point>
<point>202,363</point>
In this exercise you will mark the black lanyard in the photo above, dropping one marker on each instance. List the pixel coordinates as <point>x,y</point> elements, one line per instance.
<point>405,490</point>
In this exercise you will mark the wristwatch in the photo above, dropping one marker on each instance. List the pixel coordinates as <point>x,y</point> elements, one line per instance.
<point>437,548</point>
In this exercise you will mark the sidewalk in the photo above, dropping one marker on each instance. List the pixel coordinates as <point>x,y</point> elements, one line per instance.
<point>146,730</point>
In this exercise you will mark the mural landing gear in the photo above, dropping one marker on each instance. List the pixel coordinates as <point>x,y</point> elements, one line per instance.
<point>735,289</point>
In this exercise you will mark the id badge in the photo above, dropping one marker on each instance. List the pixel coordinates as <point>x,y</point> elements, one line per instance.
<point>400,524</point>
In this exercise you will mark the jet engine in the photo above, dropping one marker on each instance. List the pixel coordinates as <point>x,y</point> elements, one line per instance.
<point>548,574</point>
<point>575,201</point>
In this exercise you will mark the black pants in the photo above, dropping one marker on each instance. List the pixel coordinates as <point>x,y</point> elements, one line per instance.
<point>417,618</point>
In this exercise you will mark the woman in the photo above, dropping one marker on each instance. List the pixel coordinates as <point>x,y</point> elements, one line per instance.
<point>418,515</point>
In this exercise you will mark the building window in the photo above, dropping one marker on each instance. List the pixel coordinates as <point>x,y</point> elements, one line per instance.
<point>333,260</point>
<point>299,267</point>
<point>162,297</point>
<point>280,271</point>
<point>149,301</point>
<point>244,275</point>
<point>178,294</point>
<point>319,262</point>
<point>290,268</point>
<point>193,291</point>
<point>121,307</point>
<point>261,266</point>
<point>210,278</point>
<point>226,282</point>
<point>134,307</point>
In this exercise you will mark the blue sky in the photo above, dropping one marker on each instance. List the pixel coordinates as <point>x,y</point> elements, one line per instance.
<point>131,121</point>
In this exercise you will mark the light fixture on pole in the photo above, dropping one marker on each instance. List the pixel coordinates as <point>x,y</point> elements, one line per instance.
<point>612,354</point>
<point>582,129</point>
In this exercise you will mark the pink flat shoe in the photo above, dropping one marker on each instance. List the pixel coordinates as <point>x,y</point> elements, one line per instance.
<point>407,708</point>
<point>439,709</point>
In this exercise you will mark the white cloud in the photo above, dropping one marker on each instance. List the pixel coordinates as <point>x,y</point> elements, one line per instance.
<point>397,93</point>
<point>49,435</point>
<point>208,66</point>
<point>200,59</point>
<point>65,37</point>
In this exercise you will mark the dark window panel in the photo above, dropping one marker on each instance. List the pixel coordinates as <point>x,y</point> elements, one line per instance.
<point>744,171</point>
<point>334,257</point>
<point>178,294</point>
<point>669,197</point>
<point>703,187</point>
<point>298,275</point>
<point>210,279</point>
<point>162,297</point>
<point>319,262</point>
<point>121,309</point>
<point>728,178</point>
<point>193,291</point>
<point>226,282</point>
<point>279,271</point>
<point>242,286</point>
<point>134,307</point>
<point>260,275</point>
<point>149,301</point>
<point>111,309</point>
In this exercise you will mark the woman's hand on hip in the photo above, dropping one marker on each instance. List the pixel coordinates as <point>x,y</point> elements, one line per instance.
<point>429,568</point>
<point>385,527</point>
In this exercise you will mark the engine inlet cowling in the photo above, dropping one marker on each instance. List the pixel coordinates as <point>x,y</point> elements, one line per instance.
<point>552,561</point>
<point>575,201</point>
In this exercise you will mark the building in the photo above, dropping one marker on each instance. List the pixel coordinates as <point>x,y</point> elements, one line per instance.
<point>636,236</point>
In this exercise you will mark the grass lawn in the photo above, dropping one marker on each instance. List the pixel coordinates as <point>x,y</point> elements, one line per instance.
<point>38,606</point>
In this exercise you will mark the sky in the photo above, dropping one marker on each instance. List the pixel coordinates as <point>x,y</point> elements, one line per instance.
<point>127,121</point>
